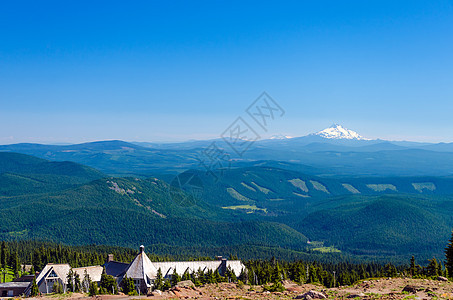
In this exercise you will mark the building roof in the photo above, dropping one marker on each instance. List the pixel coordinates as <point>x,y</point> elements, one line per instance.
<point>60,270</point>
<point>115,268</point>
<point>14,284</point>
<point>141,267</point>
<point>94,272</point>
<point>24,278</point>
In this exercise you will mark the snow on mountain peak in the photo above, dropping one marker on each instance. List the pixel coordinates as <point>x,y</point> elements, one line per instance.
<point>280,137</point>
<point>338,132</point>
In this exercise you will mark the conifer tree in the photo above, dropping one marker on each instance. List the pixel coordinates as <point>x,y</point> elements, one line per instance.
<point>128,285</point>
<point>175,278</point>
<point>57,287</point>
<point>412,269</point>
<point>186,276</point>
<point>86,283</point>
<point>449,256</point>
<point>77,283</point>
<point>159,282</point>
<point>34,288</point>
<point>4,255</point>
<point>15,264</point>
<point>108,284</point>
<point>93,289</point>
<point>70,277</point>
<point>432,268</point>
<point>167,285</point>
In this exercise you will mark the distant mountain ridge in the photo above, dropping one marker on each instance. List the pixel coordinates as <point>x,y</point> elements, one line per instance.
<point>335,150</point>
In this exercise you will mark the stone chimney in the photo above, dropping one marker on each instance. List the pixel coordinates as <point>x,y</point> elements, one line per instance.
<point>110,258</point>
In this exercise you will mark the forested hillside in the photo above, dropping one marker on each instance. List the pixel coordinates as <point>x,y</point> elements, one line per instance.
<point>23,174</point>
<point>257,211</point>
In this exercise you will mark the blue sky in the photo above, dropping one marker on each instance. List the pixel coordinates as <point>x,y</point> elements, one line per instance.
<point>74,71</point>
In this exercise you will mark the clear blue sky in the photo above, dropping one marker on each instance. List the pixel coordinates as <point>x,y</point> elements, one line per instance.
<point>73,71</point>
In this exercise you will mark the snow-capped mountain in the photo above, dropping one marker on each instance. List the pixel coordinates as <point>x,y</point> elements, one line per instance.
<point>280,137</point>
<point>338,132</point>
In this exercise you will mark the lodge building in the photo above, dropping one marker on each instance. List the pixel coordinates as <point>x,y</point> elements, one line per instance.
<point>142,270</point>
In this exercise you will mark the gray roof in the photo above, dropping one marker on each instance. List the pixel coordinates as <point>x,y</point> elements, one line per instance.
<point>14,284</point>
<point>61,270</point>
<point>141,267</point>
<point>94,272</point>
<point>115,268</point>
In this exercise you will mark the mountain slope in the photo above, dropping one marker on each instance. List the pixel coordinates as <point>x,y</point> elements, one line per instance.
<point>128,211</point>
<point>22,174</point>
<point>384,225</point>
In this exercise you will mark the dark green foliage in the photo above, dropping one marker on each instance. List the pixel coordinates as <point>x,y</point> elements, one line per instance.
<point>432,269</point>
<point>449,256</point>
<point>15,264</point>
<point>34,291</point>
<point>323,273</point>
<point>374,227</point>
<point>175,278</point>
<point>230,276</point>
<point>108,284</point>
<point>159,281</point>
<point>67,215</point>
<point>167,285</point>
<point>93,289</point>
<point>4,254</point>
<point>77,283</point>
<point>22,174</point>
<point>70,278</point>
<point>275,287</point>
<point>87,283</point>
<point>127,285</point>
<point>57,287</point>
<point>384,225</point>
<point>412,269</point>
<point>185,276</point>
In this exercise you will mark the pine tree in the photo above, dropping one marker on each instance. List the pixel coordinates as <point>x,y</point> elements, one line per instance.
<point>77,283</point>
<point>15,264</point>
<point>70,277</point>
<point>175,278</point>
<point>433,267</point>
<point>4,254</point>
<point>159,282</point>
<point>276,273</point>
<point>412,269</point>
<point>167,285</point>
<point>185,276</point>
<point>34,288</point>
<point>57,287</point>
<point>449,256</point>
<point>108,284</point>
<point>128,286</point>
<point>86,283</point>
<point>93,289</point>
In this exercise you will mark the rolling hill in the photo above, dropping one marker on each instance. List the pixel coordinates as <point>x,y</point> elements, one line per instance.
<point>129,211</point>
<point>24,174</point>
<point>263,207</point>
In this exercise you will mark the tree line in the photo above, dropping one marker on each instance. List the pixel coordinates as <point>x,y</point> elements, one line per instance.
<point>257,272</point>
